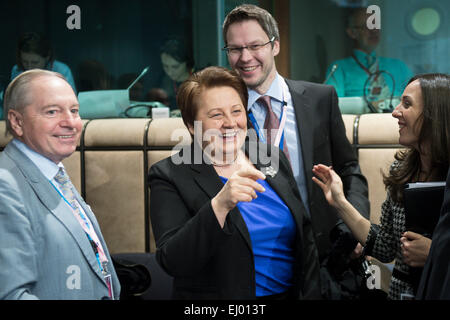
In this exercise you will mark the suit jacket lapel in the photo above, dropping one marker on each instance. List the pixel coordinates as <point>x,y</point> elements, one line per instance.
<point>51,199</point>
<point>304,117</point>
<point>210,182</point>
<point>278,182</point>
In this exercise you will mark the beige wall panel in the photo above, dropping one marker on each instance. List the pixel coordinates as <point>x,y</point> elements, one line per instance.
<point>378,128</point>
<point>372,161</point>
<point>73,168</point>
<point>349,120</point>
<point>115,132</point>
<point>157,155</point>
<point>168,132</point>
<point>115,191</point>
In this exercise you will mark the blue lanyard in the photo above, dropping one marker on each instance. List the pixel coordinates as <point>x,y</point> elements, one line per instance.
<point>94,246</point>
<point>258,130</point>
<point>70,205</point>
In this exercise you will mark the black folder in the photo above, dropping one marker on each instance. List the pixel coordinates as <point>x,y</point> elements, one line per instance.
<point>423,201</point>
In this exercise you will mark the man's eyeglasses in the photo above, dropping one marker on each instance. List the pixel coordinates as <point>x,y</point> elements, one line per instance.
<point>236,51</point>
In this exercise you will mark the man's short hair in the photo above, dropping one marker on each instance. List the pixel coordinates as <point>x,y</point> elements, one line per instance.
<point>251,12</point>
<point>17,95</point>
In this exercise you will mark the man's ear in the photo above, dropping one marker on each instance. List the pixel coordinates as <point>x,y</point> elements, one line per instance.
<point>15,119</point>
<point>276,48</point>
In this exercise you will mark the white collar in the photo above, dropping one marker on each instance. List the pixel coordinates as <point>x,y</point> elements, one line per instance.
<point>275,91</point>
<point>48,168</point>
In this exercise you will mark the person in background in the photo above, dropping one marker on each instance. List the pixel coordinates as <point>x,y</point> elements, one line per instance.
<point>436,273</point>
<point>313,132</point>
<point>424,126</point>
<point>51,246</point>
<point>92,75</point>
<point>223,229</point>
<point>349,75</point>
<point>35,52</point>
<point>157,94</point>
<point>178,65</point>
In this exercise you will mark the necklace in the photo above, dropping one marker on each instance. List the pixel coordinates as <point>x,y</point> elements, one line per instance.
<point>223,164</point>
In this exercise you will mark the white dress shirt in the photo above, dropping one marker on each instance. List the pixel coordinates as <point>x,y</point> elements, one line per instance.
<point>278,93</point>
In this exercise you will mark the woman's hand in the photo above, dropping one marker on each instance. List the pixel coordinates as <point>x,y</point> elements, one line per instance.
<point>415,248</point>
<point>241,186</point>
<point>330,183</point>
<point>357,252</point>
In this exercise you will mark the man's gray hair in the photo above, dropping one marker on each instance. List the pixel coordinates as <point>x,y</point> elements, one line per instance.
<point>251,12</point>
<point>17,95</point>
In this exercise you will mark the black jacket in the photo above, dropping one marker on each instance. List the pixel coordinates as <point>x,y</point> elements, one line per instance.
<point>206,261</point>
<point>323,140</point>
<point>435,280</point>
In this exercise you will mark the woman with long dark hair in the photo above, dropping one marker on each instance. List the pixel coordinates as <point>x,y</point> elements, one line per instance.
<point>424,126</point>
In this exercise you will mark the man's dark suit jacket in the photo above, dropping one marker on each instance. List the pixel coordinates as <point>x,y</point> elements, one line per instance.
<point>206,261</point>
<point>323,140</point>
<point>435,280</point>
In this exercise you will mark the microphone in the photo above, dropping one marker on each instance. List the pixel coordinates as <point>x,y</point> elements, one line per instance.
<point>333,70</point>
<point>369,104</point>
<point>139,77</point>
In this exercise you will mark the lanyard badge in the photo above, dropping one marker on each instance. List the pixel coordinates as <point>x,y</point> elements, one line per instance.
<point>278,141</point>
<point>108,279</point>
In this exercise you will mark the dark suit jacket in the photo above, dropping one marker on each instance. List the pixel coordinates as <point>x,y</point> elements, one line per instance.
<point>323,140</point>
<point>435,280</point>
<point>206,261</point>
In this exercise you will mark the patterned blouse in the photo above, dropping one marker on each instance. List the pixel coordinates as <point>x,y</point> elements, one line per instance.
<point>385,243</point>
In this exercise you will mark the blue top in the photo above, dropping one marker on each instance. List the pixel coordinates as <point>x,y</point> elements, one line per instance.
<point>57,67</point>
<point>279,93</point>
<point>349,77</point>
<point>272,232</point>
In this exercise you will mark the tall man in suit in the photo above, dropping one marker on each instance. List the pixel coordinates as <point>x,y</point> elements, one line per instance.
<point>51,246</point>
<point>313,131</point>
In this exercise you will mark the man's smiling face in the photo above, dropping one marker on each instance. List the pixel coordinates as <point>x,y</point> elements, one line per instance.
<point>256,68</point>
